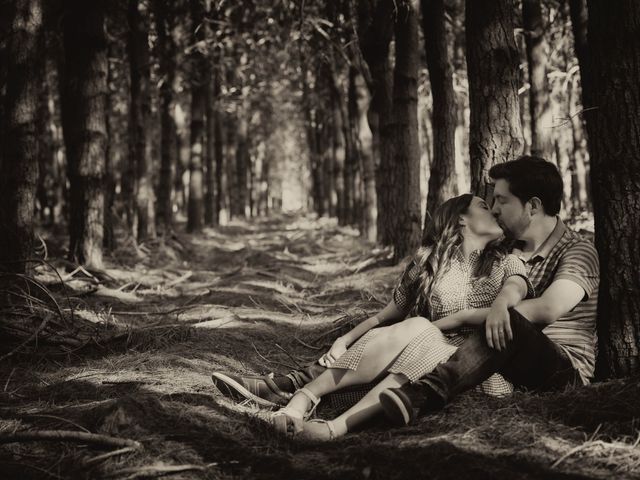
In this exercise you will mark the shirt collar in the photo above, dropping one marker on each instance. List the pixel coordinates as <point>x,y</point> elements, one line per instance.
<point>554,237</point>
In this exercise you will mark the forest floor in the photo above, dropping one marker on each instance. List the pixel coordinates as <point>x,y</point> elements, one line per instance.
<point>253,298</point>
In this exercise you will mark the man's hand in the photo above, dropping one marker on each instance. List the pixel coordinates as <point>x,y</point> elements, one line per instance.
<point>337,349</point>
<point>498,326</point>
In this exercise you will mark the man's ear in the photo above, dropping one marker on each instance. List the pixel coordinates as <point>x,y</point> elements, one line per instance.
<point>536,205</point>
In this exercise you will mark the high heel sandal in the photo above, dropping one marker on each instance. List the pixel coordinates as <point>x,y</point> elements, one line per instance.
<point>290,421</point>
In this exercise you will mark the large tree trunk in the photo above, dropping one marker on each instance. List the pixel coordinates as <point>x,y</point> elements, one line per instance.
<point>19,148</point>
<point>492,65</point>
<point>167,47</point>
<point>83,115</point>
<point>404,205</point>
<point>614,144</point>
<point>442,177</point>
<point>375,31</point>
<point>539,105</point>
<point>195,208</point>
<point>139,114</point>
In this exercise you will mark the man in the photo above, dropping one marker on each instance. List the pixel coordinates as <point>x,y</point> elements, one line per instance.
<point>544,343</point>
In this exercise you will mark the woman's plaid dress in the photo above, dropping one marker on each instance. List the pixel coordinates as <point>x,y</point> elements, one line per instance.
<point>456,290</point>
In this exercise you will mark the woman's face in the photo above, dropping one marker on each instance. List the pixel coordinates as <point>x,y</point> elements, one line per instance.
<point>480,221</point>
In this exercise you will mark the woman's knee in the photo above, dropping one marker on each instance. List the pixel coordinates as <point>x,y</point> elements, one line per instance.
<point>411,327</point>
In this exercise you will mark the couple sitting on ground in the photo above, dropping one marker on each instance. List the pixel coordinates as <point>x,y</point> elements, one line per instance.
<point>482,312</point>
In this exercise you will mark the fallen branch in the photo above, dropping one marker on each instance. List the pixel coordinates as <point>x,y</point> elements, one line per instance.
<point>105,456</point>
<point>68,436</point>
<point>154,471</point>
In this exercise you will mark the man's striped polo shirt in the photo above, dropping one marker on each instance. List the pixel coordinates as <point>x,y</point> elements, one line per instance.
<point>567,255</point>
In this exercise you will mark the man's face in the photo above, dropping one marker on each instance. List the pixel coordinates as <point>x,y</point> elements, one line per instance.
<point>511,214</point>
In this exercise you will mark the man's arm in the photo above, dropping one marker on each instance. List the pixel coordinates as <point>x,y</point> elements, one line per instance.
<point>557,300</point>
<point>560,298</point>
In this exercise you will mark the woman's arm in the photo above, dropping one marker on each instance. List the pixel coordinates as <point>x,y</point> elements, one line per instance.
<point>513,291</point>
<point>389,314</point>
<point>470,317</point>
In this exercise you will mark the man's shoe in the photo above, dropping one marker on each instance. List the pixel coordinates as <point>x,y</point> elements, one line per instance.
<point>260,389</point>
<point>400,405</point>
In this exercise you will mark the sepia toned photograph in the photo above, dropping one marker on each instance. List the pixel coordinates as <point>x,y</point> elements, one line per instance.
<point>319,239</point>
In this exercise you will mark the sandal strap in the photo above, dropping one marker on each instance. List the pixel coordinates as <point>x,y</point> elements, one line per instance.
<point>332,432</point>
<point>310,395</point>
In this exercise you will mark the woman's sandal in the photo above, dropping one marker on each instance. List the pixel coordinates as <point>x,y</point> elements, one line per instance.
<point>290,421</point>
<point>326,435</point>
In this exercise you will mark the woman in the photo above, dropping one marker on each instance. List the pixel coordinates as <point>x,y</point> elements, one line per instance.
<point>463,266</point>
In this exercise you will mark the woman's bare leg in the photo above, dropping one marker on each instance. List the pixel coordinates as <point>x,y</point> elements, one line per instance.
<point>377,357</point>
<point>367,407</point>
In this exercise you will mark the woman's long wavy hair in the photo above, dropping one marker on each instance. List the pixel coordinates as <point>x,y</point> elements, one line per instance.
<point>442,238</point>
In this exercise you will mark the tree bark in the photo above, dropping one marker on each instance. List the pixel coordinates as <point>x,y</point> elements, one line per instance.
<point>19,148</point>
<point>339,148</point>
<point>195,207</point>
<point>365,151</point>
<point>442,177</point>
<point>578,12</point>
<point>404,204</point>
<point>139,115</point>
<point>539,104</point>
<point>109,234</point>
<point>165,27</point>
<point>375,31</point>
<point>83,116</point>
<point>218,151</point>
<point>614,145</point>
<point>210,214</point>
<point>492,65</point>
<point>242,161</point>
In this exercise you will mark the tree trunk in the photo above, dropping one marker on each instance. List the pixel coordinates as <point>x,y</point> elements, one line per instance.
<point>195,208</point>
<point>109,236</point>
<point>578,12</point>
<point>339,149</point>
<point>19,155</point>
<point>83,116</point>
<point>404,207</point>
<point>139,115</point>
<point>165,27</point>
<point>365,150</point>
<point>351,153</point>
<point>442,176</point>
<point>218,151</point>
<point>539,105</point>
<point>375,31</point>
<point>242,163</point>
<point>210,217</point>
<point>492,65</point>
<point>614,145</point>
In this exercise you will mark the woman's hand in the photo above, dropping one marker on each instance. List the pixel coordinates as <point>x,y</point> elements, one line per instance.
<point>337,349</point>
<point>498,326</point>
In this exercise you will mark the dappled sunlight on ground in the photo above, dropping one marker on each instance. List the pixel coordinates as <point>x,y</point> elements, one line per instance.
<point>254,298</point>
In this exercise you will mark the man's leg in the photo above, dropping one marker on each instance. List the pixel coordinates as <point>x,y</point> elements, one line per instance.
<point>530,360</point>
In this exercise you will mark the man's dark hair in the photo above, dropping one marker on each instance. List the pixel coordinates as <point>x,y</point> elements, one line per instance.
<point>530,177</point>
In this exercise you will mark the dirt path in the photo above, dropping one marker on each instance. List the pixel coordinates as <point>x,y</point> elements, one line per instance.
<point>247,298</point>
